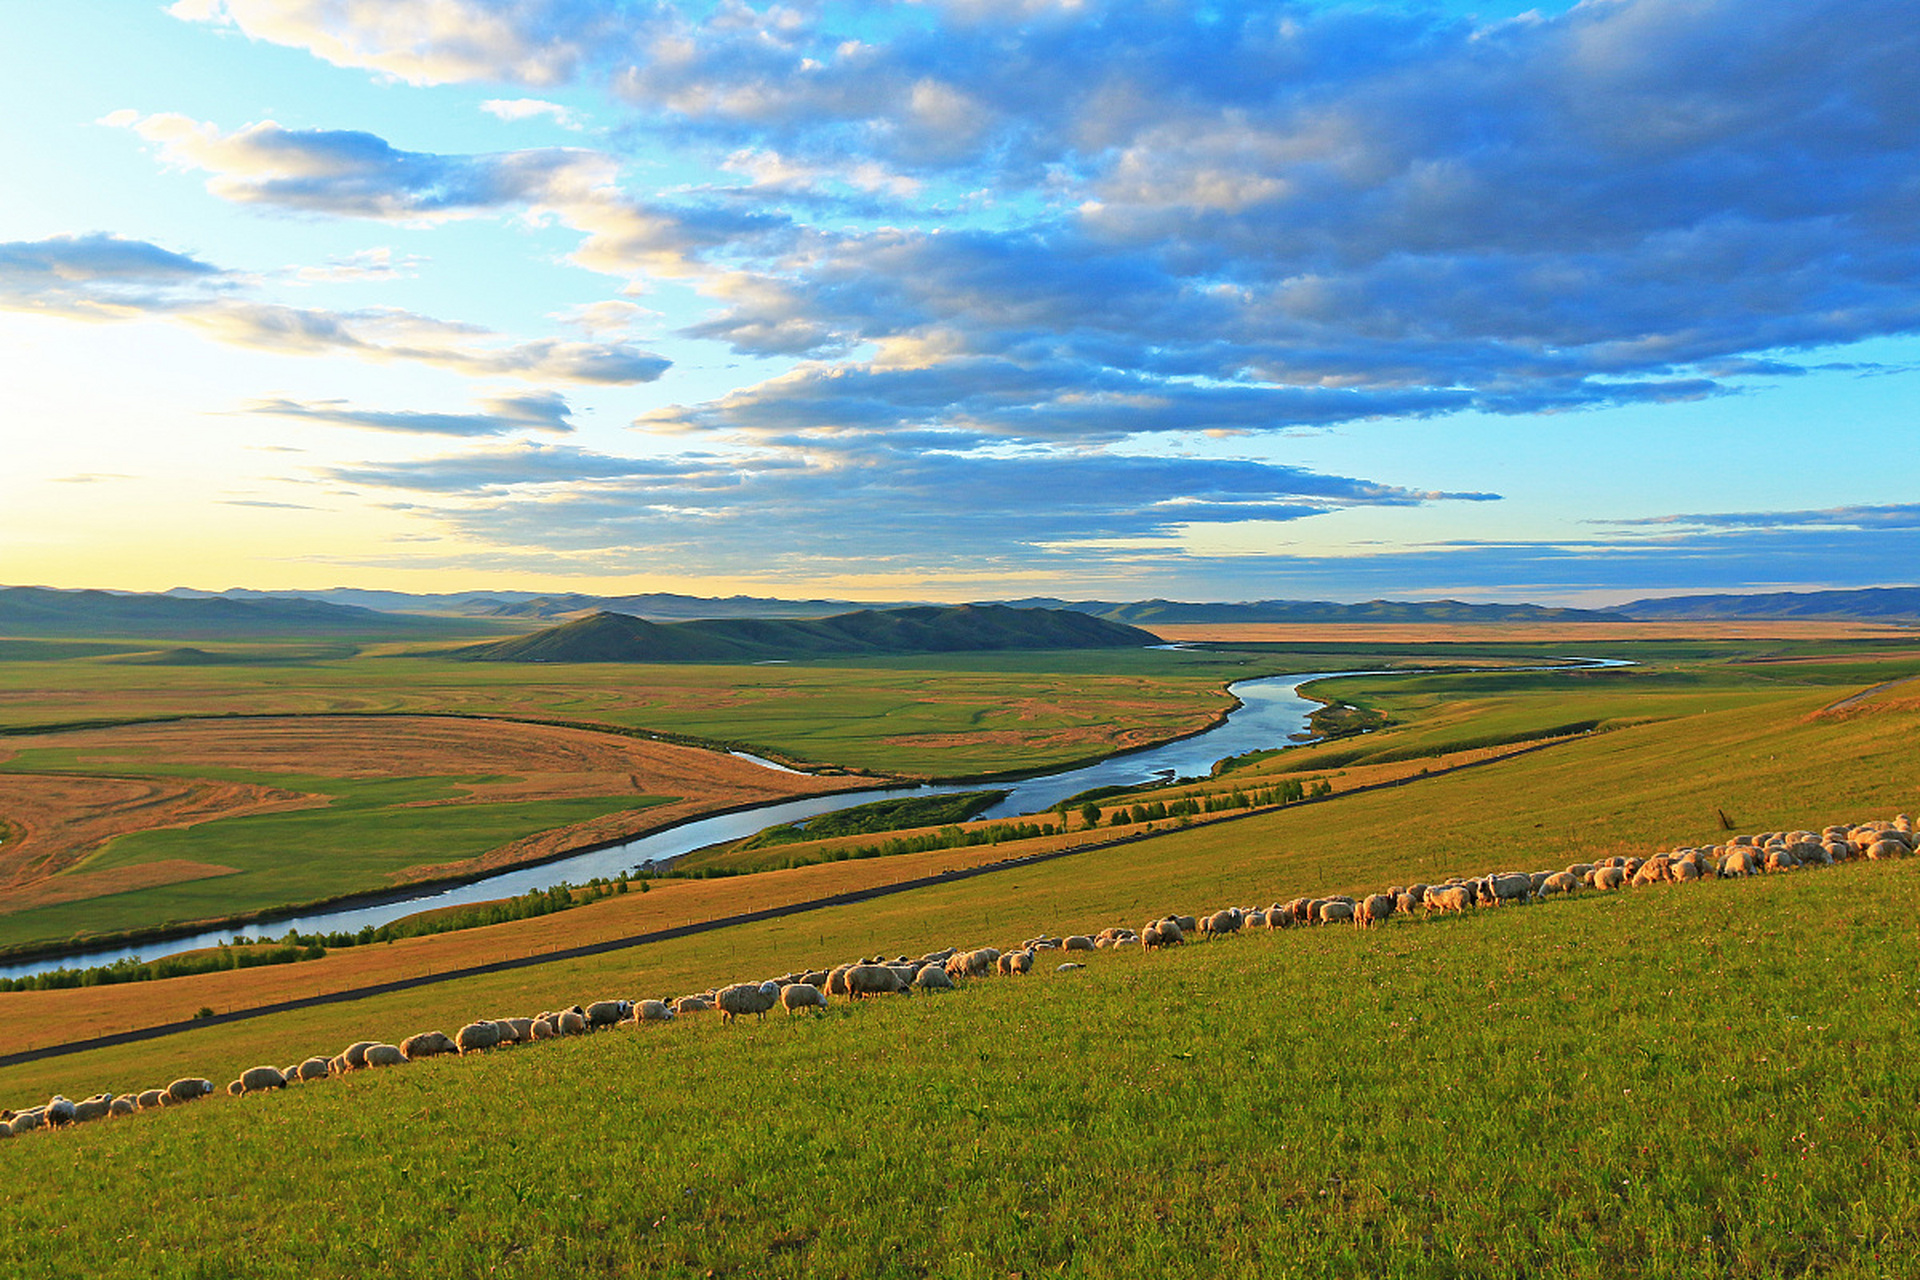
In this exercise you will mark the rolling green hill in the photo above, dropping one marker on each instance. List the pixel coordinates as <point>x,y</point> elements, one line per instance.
<point>616,637</point>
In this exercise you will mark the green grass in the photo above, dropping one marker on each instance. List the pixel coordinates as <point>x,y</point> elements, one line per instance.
<point>371,832</point>
<point>909,716</point>
<point>1700,1081</point>
<point>1710,1080</point>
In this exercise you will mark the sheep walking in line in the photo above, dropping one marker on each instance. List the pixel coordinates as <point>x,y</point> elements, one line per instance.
<point>1774,852</point>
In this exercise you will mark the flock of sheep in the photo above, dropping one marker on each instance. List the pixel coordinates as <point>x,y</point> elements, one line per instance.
<point>938,971</point>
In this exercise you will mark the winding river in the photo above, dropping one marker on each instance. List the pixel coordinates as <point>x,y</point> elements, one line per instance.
<point>1272,710</point>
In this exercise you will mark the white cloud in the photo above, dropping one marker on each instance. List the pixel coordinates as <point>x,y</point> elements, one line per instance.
<point>518,109</point>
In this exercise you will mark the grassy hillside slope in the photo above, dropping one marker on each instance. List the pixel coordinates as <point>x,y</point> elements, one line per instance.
<point>1679,1081</point>
<point>1627,791</point>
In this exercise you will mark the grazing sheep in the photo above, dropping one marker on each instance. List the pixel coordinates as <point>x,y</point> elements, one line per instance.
<point>1778,859</point>
<point>385,1055</point>
<point>1332,912</point>
<point>148,1099</point>
<point>355,1054</point>
<point>655,1011</point>
<point>515,1030</point>
<point>261,1079</point>
<point>1887,848</point>
<point>1452,898</point>
<point>607,1013</point>
<point>124,1105</point>
<point>573,1022</point>
<point>27,1121</point>
<point>1605,878</point>
<point>98,1107</point>
<point>425,1044</point>
<point>933,978</point>
<point>1509,888</point>
<point>690,1004</point>
<point>1559,882</point>
<point>978,963</point>
<point>1685,871</point>
<point>1374,907</point>
<point>1077,942</point>
<point>1163,933</point>
<point>475,1037</point>
<point>186,1089</point>
<point>874,980</point>
<point>1652,871</point>
<point>747,997</point>
<point>1221,923</point>
<point>796,996</point>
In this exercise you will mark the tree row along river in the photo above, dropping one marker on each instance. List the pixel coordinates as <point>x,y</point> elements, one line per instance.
<point>1271,712</point>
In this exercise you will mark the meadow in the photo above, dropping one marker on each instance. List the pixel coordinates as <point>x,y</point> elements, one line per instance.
<point>1684,1080</point>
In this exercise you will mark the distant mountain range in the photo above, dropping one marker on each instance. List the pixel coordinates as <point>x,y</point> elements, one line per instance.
<point>1869,603</point>
<point>240,614</point>
<point>617,637</point>
<point>1147,613</point>
<point>40,611</point>
<point>660,606</point>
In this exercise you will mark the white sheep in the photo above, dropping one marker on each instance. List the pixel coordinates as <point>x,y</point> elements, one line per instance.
<point>607,1013</point>
<point>874,980</point>
<point>259,1080</point>
<point>796,996</point>
<point>475,1037</point>
<point>424,1044</point>
<point>748,997</point>
<point>933,978</point>
<point>185,1089</point>
<point>385,1055</point>
<point>1374,908</point>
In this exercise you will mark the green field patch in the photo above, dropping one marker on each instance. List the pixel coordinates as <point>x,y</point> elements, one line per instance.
<point>370,834</point>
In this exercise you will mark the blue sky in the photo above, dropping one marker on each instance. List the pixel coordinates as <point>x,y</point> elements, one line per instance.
<point>962,298</point>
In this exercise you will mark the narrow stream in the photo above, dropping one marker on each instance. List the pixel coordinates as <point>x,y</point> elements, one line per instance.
<point>1272,710</point>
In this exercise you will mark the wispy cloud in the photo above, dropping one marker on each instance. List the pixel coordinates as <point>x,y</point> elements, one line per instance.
<point>500,415</point>
<point>516,109</point>
<point>106,278</point>
<point>895,501</point>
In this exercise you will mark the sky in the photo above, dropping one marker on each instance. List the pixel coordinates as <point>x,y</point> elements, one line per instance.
<point>961,299</point>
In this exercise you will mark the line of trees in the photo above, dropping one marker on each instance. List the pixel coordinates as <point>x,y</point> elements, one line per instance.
<point>247,953</point>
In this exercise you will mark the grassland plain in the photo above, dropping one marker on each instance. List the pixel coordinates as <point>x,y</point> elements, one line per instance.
<point>1709,1080</point>
<point>931,715</point>
<point>353,804</point>
<point>1777,765</point>
<point>81,1012</point>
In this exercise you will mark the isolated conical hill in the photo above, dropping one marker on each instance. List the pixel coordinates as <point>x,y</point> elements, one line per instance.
<point>616,637</point>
